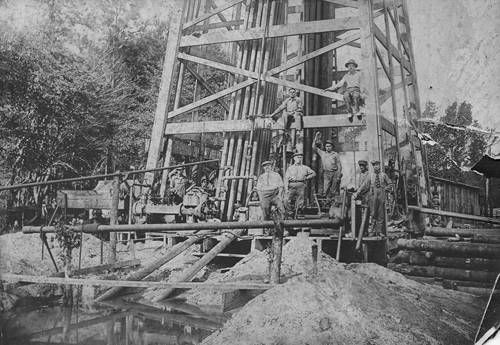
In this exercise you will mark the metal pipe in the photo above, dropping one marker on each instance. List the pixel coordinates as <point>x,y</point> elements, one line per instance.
<point>92,228</point>
<point>96,177</point>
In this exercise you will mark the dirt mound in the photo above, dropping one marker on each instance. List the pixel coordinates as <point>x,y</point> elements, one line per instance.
<point>354,304</point>
<point>296,260</point>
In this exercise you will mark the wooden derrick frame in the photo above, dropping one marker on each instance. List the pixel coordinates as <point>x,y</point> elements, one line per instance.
<point>359,31</point>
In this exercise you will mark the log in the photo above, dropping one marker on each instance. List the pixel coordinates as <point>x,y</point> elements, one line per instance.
<point>193,270</point>
<point>444,232</point>
<point>144,272</point>
<point>481,250</point>
<point>100,268</point>
<point>428,259</point>
<point>443,272</point>
<point>455,214</point>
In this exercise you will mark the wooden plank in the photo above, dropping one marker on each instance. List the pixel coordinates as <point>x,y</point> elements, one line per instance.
<point>382,63</point>
<point>327,121</point>
<point>344,3</point>
<point>303,87</point>
<point>443,180</point>
<point>211,13</point>
<point>394,51</point>
<point>385,94</point>
<point>206,85</point>
<point>244,125</point>
<point>160,119</point>
<point>455,214</point>
<point>210,98</point>
<point>8,277</point>
<point>218,25</point>
<point>281,30</point>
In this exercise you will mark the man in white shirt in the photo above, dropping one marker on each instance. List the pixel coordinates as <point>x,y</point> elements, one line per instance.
<point>332,167</point>
<point>295,178</point>
<point>270,189</point>
<point>352,93</point>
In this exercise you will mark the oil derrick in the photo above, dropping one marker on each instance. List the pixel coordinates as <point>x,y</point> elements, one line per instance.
<point>274,45</point>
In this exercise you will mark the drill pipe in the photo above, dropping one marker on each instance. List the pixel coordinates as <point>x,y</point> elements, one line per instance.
<point>93,228</point>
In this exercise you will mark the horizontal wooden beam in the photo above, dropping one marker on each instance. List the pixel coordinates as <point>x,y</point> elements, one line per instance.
<point>344,3</point>
<point>385,94</point>
<point>394,51</point>
<point>311,121</point>
<point>300,28</point>
<point>211,13</point>
<point>455,214</point>
<point>129,283</point>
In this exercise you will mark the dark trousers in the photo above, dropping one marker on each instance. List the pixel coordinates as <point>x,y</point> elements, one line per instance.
<point>377,209</point>
<point>295,198</point>
<point>331,183</point>
<point>267,200</point>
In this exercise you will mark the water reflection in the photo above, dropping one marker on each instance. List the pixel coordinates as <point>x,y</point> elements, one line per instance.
<point>117,323</point>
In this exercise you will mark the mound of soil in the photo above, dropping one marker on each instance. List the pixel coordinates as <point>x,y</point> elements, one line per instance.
<point>347,304</point>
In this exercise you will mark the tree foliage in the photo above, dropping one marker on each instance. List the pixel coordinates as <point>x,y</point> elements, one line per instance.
<point>79,86</point>
<point>457,148</point>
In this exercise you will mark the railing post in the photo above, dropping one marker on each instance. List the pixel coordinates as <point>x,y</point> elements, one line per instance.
<point>113,217</point>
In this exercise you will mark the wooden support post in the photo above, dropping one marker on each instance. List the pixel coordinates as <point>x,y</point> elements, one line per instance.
<point>362,228</point>
<point>369,80</point>
<point>160,119</point>
<point>113,217</point>
<point>191,271</point>
<point>144,272</point>
<point>277,249</point>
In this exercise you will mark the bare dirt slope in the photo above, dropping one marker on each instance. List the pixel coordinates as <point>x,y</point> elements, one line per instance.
<point>349,304</point>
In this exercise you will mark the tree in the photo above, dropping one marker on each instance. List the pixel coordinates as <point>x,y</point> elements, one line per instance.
<point>458,147</point>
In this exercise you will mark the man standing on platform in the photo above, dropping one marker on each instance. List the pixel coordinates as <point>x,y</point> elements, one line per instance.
<point>293,110</point>
<point>295,178</point>
<point>270,189</point>
<point>376,186</point>
<point>332,167</point>
<point>364,174</point>
<point>352,93</point>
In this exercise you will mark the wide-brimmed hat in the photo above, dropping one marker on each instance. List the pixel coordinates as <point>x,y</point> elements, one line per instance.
<point>362,162</point>
<point>351,61</point>
<point>297,154</point>
<point>329,142</point>
<point>266,163</point>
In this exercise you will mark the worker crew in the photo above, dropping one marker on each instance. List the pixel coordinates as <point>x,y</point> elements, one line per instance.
<point>270,189</point>
<point>352,93</point>
<point>376,185</point>
<point>295,178</point>
<point>332,167</point>
<point>293,110</point>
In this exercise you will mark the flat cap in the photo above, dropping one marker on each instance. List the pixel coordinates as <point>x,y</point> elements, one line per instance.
<point>298,154</point>
<point>266,163</point>
<point>375,162</point>
<point>362,162</point>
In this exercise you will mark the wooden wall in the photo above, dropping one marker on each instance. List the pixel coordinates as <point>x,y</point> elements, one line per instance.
<point>455,196</point>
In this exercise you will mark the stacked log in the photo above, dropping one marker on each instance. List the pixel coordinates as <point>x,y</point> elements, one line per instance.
<point>459,258</point>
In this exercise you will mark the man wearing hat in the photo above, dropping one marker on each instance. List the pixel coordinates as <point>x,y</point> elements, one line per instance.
<point>293,110</point>
<point>270,190</point>
<point>295,178</point>
<point>352,83</point>
<point>332,167</point>
<point>178,184</point>
<point>376,186</point>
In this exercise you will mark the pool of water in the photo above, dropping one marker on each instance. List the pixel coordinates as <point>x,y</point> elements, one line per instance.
<point>116,323</point>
